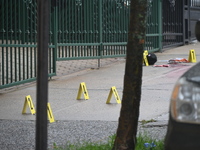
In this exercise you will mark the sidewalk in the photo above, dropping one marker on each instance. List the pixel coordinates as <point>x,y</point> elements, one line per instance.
<point>94,114</point>
<point>157,85</point>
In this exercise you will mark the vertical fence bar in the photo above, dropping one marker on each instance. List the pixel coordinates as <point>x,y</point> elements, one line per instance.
<point>15,39</point>
<point>2,54</point>
<point>19,39</point>
<point>100,32</point>
<point>53,20</point>
<point>42,75</point>
<point>188,19</point>
<point>160,25</point>
<point>26,49</point>
<point>55,33</point>
<point>11,40</point>
<point>7,34</point>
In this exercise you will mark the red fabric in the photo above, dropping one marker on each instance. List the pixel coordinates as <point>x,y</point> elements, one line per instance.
<point>178,61</point>
<point>161,65</point>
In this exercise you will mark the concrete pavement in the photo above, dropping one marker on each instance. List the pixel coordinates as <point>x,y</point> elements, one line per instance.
<point>157,85</point>
<point>91,120</point>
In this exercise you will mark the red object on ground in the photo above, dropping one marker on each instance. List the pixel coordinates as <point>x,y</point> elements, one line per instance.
<point>183,60</point>
<point>161,65</point>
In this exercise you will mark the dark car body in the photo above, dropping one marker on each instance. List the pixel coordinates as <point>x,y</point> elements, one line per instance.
<point>184,135</point>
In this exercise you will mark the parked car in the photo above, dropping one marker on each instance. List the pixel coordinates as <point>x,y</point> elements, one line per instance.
<point>183,131</point>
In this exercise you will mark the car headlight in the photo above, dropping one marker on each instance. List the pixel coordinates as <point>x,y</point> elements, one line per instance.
<point>185,100</point>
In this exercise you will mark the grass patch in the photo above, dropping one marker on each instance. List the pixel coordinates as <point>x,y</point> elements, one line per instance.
<point>144,142</point>
<point>147,121</point>
<point>88,145</point>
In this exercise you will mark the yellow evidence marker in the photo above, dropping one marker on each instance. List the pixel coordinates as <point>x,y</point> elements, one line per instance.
<point>82,89</point>
<point>192,56</point>
<point>145,53</point>
<point>28,102</point>
<point>113,90</point>
<point>50,114</point>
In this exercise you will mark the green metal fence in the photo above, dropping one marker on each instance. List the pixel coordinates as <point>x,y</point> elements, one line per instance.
<point>98,28</point>
<point>153,40</point>
<point>92,29</point>
<point>18,43</point>
<point>79,29</point>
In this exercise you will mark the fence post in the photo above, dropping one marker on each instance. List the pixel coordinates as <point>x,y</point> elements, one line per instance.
<point>100,32</point>
<point>186,22</point>
<point>55,32</point>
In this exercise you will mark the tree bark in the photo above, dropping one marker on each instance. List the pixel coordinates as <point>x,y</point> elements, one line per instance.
<point>129,114</point>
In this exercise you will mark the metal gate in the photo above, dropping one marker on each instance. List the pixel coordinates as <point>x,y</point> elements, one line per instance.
<point>18,43</point>
<point>89,29</point>
<point>173,23</point>
<point>92,29</point>
<point>78,30</point>
<point>192,15</point>
<point>99,28</point>
<point>153,40</point>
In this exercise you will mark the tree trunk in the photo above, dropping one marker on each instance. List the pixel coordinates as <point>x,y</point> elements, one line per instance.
<point>129,114</point>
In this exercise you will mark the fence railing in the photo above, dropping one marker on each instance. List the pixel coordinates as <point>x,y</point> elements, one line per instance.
<point>89,29</point>
<point>18,43</point>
